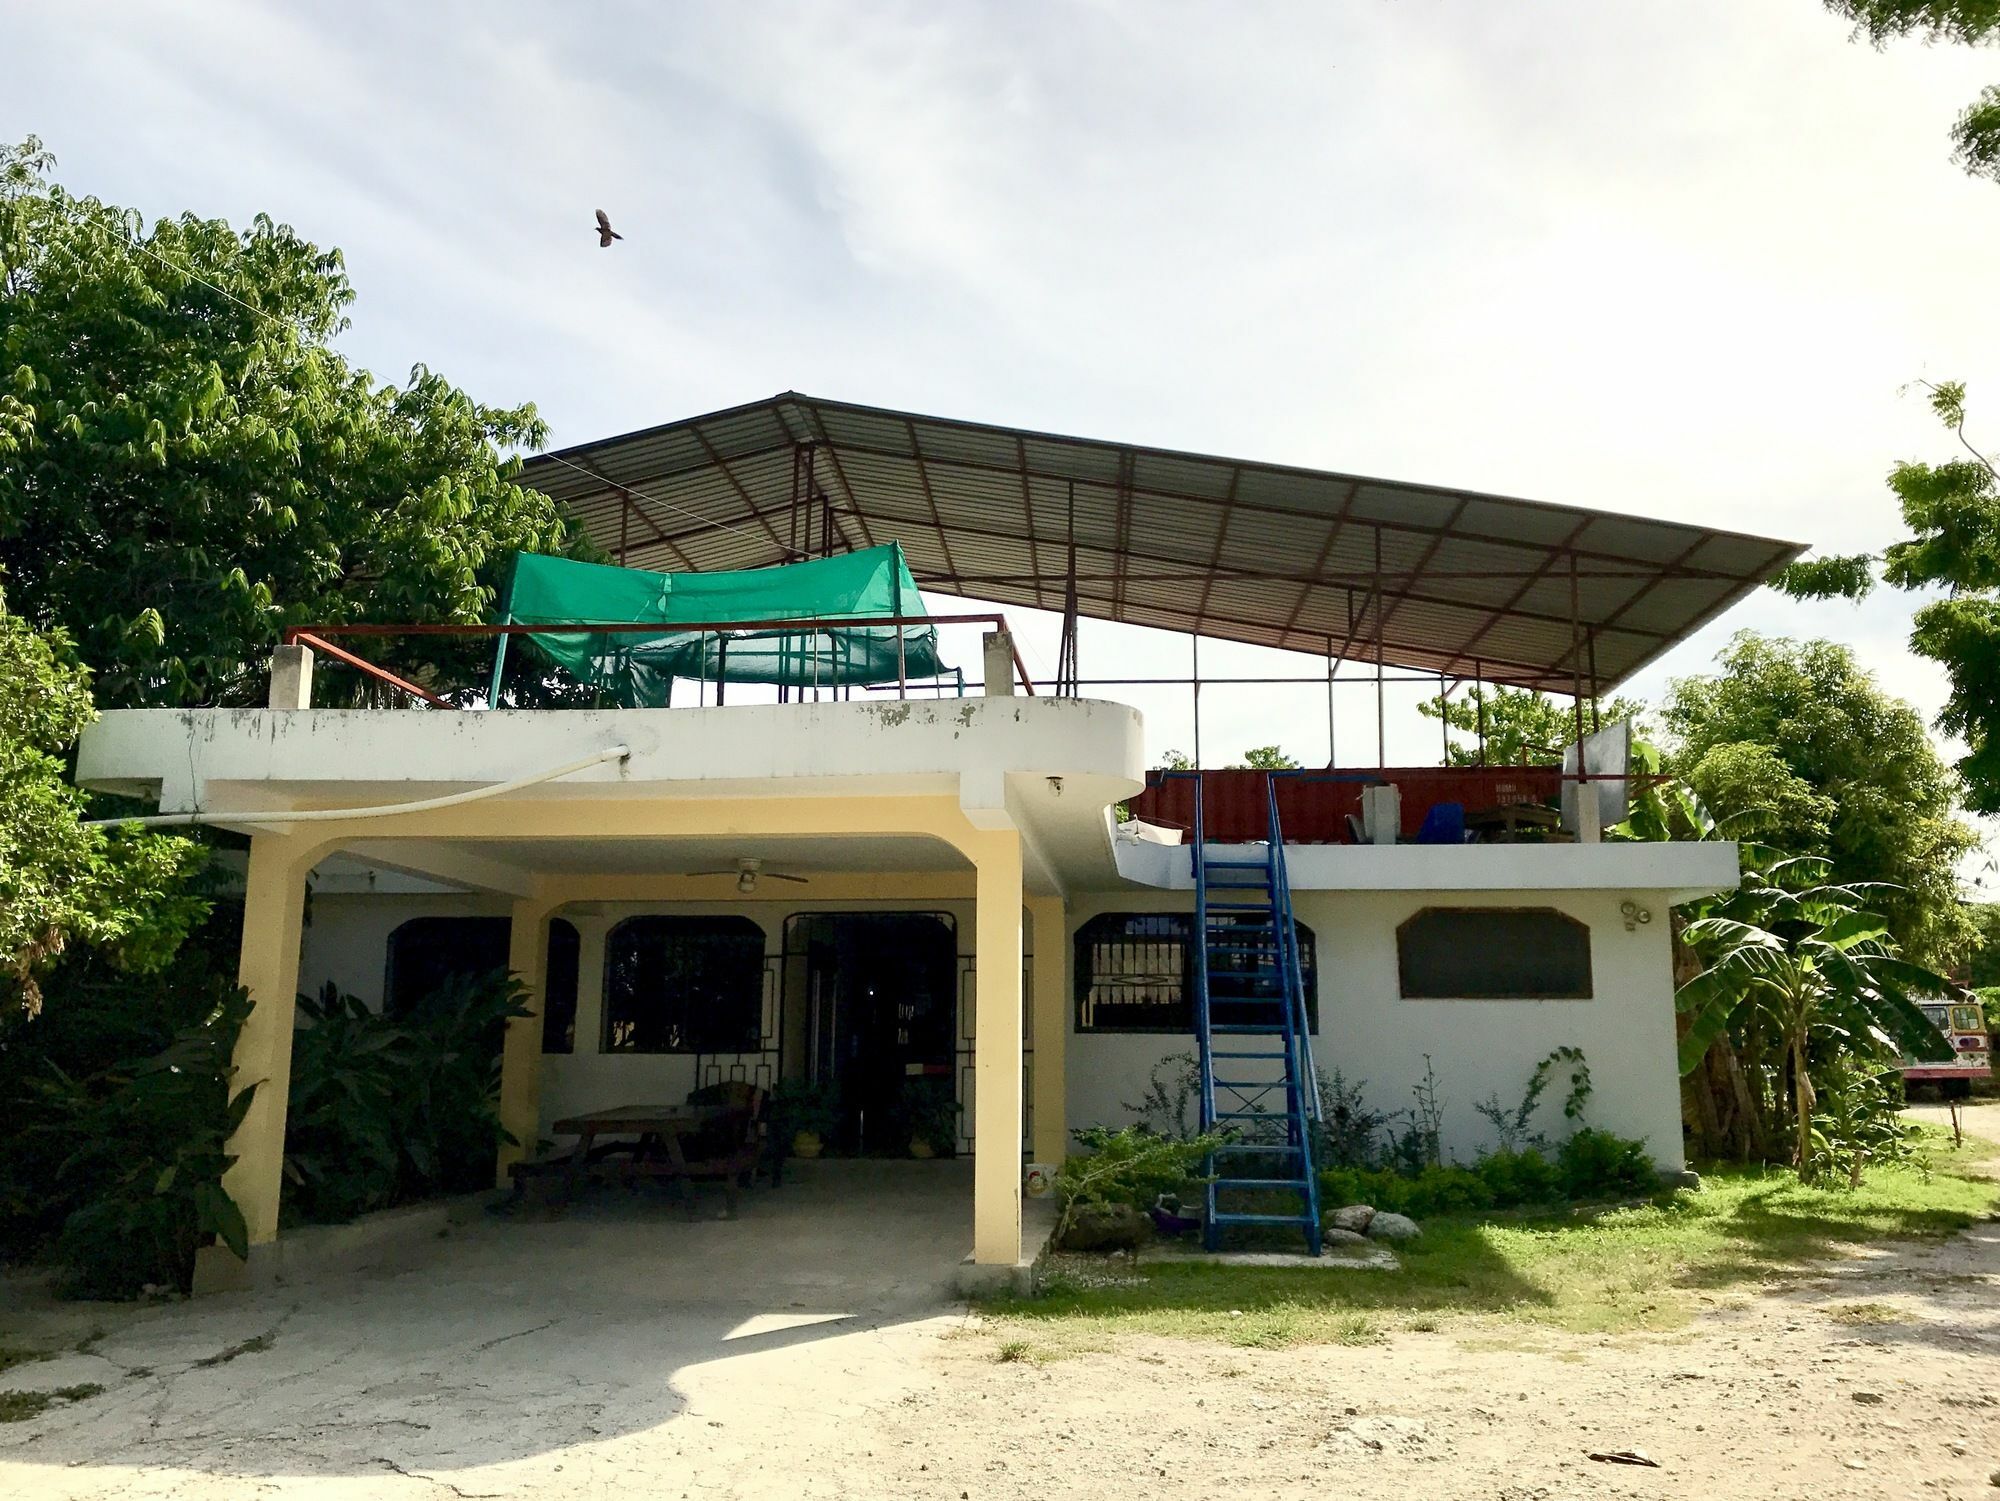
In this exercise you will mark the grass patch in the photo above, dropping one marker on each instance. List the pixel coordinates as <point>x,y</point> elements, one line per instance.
<point>1588,1271</point>
<point>18,1407</point>
<point>1863,1313</point>
<point>256,1345</point>
<point>11,1356</point>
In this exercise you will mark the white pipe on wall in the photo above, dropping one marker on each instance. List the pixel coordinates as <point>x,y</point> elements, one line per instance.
<point>380,810</point>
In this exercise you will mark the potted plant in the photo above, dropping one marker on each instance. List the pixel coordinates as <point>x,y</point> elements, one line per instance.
<point>803,1113</point>
<point>932,1116</point>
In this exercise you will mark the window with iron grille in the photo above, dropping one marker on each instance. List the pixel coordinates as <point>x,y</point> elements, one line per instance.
<point>1135,971</point>
<point>1494,954</point>
<point>684,985</point>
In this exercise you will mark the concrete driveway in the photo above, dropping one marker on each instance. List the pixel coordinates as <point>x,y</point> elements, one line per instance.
<point>617,1350</point>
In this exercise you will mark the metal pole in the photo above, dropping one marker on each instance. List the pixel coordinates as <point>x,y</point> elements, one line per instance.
<point>1332,759</point>
<point>1590,642</point>
<point>1444,725</point>
<point>1479,697</point>
<point>1576,659</point>
<point>1381,701</point>
<point>1195,642</point>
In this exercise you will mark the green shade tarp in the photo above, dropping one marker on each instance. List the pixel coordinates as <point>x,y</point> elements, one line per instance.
<point>636,668</point>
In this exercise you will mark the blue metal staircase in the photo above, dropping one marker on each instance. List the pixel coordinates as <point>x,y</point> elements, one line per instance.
<point>1255,1043</point>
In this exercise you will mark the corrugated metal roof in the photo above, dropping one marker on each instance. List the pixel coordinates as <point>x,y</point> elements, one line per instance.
<point>1522,591</point>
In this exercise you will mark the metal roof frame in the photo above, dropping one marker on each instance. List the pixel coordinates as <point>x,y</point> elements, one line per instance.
<point>1430,578</point>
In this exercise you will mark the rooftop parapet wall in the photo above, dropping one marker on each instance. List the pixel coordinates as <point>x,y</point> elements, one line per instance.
<point>260,758</point>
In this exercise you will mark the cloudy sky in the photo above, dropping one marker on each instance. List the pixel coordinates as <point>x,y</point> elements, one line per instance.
<point>1675,258</point>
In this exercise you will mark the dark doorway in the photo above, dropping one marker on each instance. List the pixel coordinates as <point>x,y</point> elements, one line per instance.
<point>880,1017</point>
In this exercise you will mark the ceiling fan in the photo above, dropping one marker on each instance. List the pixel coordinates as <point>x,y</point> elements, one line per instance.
<point>748,871</point>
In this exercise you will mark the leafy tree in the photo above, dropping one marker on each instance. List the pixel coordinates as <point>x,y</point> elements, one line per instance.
<point>1269,758</point>
<point>1983,972</point>
<point>1813,968</point>
<point>1793,743</point>
<point>187,467</point>
<point>1520,724</point>
<point>1953,512</point>
<point>130,894</point>
<point>1976,133</point>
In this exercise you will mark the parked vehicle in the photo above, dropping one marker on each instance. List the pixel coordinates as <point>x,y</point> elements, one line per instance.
<point>1963,1023</point>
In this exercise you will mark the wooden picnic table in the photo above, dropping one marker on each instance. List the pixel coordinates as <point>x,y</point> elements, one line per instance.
<point>656,1152</point>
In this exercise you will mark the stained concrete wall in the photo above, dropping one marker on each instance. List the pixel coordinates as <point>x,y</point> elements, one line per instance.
<point>1476,1048</point>
<point>1367,1031</point>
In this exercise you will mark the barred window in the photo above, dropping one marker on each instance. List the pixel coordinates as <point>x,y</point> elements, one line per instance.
<point>1494,954</point>
<point>1135,971</point>
<point>684,985</point>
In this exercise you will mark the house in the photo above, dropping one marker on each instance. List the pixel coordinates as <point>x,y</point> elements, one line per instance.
<point>880,879</point>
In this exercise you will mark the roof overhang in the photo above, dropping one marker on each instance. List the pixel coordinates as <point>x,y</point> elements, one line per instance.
<point>1450,581</point>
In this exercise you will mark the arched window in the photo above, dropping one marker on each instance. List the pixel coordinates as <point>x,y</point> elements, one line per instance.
<point>1493,954</point>
<point>426,952</point>
<point>1135,971</point>
<point>684,985</point>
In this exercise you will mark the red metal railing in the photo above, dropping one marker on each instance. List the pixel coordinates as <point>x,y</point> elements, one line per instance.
<point>1317,806</point>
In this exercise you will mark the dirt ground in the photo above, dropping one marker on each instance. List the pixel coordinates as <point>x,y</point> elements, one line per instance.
<point>1878,1378</point>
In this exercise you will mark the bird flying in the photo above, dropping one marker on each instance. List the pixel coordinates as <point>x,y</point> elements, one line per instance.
<point>605,233</point>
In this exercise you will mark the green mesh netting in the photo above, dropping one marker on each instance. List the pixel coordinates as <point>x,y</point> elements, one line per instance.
<point>636,668</point>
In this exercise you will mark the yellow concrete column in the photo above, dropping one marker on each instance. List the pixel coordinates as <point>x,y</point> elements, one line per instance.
<point>521,1053</point>
<point>268,967</point>
<point>996,1105</point>
<point>1049,919</point>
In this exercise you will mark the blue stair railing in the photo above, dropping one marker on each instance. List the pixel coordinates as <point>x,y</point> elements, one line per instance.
<point>1253,1037</point>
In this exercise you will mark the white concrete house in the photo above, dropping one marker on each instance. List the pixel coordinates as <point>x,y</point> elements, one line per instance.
<point>868,889</point>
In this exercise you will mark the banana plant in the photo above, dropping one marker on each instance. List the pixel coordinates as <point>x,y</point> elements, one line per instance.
<point>1808,959</point>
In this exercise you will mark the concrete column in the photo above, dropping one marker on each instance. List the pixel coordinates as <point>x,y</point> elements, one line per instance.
<point>1589,814</point>
<point>996,1105</point>
<point>521,1051</point>
<point>1049,919</point>
<point>292,677</point>
<point>999,664</point>
<point>268,967</point>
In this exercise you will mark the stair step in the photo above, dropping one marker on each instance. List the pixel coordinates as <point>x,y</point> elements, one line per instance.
<point>1225,1217</point>
<point>1258,1146</point>
<point>1246,1029</point>
<point>1272,1057</point>
<point>1252,1083</point>
<point>1298,1183</point>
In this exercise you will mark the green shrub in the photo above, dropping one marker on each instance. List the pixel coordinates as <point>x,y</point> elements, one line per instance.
<point>1451,1190</point>
<point>1516,1178</point>
<point>1590,1165</point>
<point>1131,1166</point>
<point>117,1105</point>
<point>388,1110</point>
<point>147,1144</point>
<point>1595,1164</point>
<point>341,1157</point>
